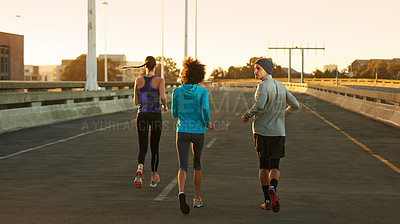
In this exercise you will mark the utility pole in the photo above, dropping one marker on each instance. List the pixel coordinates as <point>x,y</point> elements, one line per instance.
<point>302,57</point>
<point>195,51</point>
<point>91,60</point>
<point>162,40</point>
<point>186,28</point>
<point>105,43</point>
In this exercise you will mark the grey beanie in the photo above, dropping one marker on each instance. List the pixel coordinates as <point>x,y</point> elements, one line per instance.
<point>266,64</point>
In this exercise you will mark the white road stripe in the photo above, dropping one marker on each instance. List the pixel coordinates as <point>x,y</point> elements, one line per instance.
<point>211,142</point>
<point>237,114</point>
<point>166,190</point>
<point>56,142</point>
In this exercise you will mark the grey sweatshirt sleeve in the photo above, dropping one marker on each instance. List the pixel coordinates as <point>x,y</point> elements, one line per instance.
<point>292,102</point>
<point>261,99</point>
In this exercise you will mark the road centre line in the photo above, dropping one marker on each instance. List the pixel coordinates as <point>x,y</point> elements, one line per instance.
<point>56,142</point>
<point>172,184</point>
<point>167,189</point>
<point>372,153</point>
<point>211,143</point>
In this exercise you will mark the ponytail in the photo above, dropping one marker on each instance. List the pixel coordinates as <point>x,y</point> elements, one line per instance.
<point>149,63</point>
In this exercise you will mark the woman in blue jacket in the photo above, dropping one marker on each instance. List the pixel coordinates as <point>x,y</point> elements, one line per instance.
<point>190,106</point>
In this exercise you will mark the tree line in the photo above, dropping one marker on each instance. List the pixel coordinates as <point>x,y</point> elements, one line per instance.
<point>246,71</point>
<point>76,70</point>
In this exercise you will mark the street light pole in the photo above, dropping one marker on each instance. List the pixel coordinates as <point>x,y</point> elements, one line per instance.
<point>162,56</point>
<point>91,61</point>
<point>186,28</point>
<point>195,51</point>
<point>18,17</point>
<point>105,43</point>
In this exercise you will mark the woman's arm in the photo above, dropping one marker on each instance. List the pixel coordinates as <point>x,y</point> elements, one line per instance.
<point>161,88</point>
<point>136,98</point>
<point>174,104</point>
<point>206,110</point>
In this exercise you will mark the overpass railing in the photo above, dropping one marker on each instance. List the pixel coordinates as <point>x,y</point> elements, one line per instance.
<point>29,104</point>
<point>350,81</point>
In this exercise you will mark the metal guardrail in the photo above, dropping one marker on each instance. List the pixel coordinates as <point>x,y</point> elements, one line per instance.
<point>346,81</point>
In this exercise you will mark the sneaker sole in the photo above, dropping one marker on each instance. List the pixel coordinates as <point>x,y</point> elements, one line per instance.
<point>138,180</point>
<point>185,209</point>
<point>158,180</point>
<point>265,208</point>
<point>275,205</point>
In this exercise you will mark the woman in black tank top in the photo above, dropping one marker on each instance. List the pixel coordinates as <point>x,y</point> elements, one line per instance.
<point>148,119</point>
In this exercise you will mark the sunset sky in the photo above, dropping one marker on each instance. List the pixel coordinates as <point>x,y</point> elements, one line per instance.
<point>230,32</point>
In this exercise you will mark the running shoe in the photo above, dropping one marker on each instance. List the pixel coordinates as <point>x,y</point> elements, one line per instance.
<point>138,179</point>
<point>266,206</point>
<point>185,209</point>
<point>153,183</point>
<point>275,205</point>
<point>197,204</point>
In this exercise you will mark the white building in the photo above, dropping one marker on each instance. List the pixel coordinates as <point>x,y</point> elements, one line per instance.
<point>31,73</point>
<point>330,67</point>
<point>120,59</point>
<point>48,73</point>
<point>130,74</point>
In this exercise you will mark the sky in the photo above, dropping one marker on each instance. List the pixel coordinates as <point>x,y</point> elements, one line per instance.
<point>230,32</point>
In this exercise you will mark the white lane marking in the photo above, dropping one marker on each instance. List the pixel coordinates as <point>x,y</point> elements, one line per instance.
<point>56,142</point>
<point>166,190</point>
<point>237,114</point>
<point>211,142</point>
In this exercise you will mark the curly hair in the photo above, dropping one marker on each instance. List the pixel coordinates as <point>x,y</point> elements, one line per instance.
<point>193,71</point>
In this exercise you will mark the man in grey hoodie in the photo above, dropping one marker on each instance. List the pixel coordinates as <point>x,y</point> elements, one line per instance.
<point>269,112</point>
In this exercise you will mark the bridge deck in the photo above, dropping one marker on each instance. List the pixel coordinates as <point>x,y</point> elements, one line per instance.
<point>340,167</point>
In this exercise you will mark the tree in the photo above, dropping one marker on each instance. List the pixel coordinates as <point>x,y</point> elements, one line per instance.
<point>369,72</point>
<point>218,73</point>
<point>245,72</point>
<point>171,72</point>
<point>76,70</point>
<point>278,72</point>
<point>393,69</point>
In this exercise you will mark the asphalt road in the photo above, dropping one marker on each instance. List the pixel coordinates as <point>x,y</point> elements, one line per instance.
<point>82,171</point>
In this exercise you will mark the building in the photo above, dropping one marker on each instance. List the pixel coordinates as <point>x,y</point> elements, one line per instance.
<point>48,73</point>
<point>120,59</point>
<point>11,56</point>
<point>130,74</point>
<point>31,73</point>
<point>330,67</point>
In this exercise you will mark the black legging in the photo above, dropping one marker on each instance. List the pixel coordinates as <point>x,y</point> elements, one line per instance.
<point>146,121</point>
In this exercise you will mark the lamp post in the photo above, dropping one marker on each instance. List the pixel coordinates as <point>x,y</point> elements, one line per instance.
<point>186,28</point>
<point>195,48</point>
<point>162,39</point>
<point>18,17</point>
<point>105,43</point>
<point>91,61</point>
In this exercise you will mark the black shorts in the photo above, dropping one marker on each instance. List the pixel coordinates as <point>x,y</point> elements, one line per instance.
<point>269,147</point>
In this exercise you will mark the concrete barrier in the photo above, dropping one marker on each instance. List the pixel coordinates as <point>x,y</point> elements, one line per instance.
<point>36,104</point>
<point>381,106</point>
